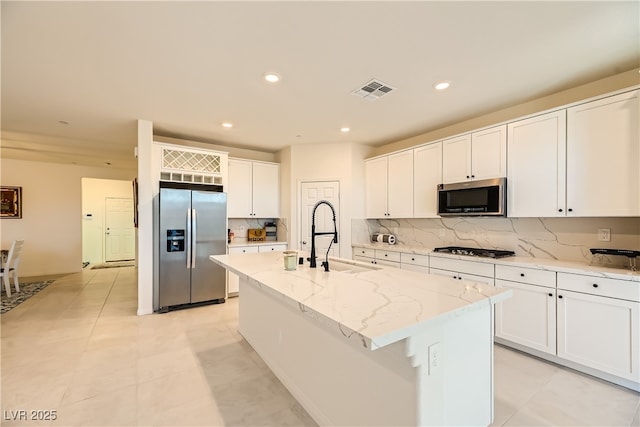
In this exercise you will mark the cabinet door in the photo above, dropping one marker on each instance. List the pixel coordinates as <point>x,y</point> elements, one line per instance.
<point>239,189</point>
<point>489,153</point>
<point>603,153</point>
<point>456,159</point>
<point>599,332</point>
<point>400,185</point>
<point>266,190</point>
<point>427,174</point>
<point>376,187</point>
<point>536,166</point>
<point>528,317</point>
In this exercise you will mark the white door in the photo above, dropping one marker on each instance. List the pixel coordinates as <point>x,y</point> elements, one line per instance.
<point>119,229</point>
<point>311,193</point>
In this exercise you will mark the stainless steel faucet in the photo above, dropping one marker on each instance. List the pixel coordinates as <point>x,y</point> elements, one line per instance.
<point>312,259</point>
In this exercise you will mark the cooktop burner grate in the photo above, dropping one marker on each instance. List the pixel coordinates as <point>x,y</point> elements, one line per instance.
<point>487,253</point>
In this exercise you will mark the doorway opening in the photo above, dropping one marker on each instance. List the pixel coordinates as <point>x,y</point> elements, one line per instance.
<point>311,192</point>
<point>108,232</point>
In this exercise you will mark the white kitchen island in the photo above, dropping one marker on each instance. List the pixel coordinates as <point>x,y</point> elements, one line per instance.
<point>362,345</point>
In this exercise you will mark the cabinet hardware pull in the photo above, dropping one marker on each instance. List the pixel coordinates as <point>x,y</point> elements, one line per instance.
<point>468,176</point>
<point>521,274</point>
<point>550,294</point>
<point>595,285</point>
<point>386,255</point>
<point>413,259</point>
<point>559,296</point>
<point>570,210</point>
<point>559,210</point>
<point>473,176</point>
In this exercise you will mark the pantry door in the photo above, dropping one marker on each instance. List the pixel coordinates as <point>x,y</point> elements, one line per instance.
<point>119,229</point>
<point>311,192</point>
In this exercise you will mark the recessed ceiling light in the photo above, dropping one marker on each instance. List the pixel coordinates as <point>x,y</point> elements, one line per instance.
<point>227,125</point>
<point>272,77</point>
<point>442,85</point>
<point>345,129</point>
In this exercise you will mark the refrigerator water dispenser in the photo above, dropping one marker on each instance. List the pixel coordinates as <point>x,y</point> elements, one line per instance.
<point>175,240</point>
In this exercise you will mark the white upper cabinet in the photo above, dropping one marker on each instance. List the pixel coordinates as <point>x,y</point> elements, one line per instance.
<point>456,159</point>
<point>603,157</point>
<point>475,156</point>
<point>253,190</point>
<point>389,186</point>
<point>536,166</point>
<point>427,174</point>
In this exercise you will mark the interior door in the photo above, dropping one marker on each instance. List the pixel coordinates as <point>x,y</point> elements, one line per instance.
<point>310,193</point>
<point>119,229</point>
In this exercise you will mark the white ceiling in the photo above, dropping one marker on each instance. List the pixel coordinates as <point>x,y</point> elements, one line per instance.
<point>189,66</point>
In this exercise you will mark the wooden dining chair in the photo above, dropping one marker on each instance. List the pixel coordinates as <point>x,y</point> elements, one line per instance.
<point>11,267</point>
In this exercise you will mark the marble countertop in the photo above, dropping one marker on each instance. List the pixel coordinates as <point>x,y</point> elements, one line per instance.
<point>377,305</point>
<point>575,267</point>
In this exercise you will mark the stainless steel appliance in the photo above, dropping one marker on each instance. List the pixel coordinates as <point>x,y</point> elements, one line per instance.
<point>488,253</point>
<point>192,226</point>
<point>487,197</point>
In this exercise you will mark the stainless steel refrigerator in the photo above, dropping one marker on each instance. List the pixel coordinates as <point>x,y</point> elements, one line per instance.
<point>193,225</point>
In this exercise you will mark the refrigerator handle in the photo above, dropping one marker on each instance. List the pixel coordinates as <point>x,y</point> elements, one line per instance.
<point>188,242</point>
<point>194,234</point>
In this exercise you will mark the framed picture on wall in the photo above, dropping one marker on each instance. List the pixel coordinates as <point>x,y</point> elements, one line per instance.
<point>10,202</point>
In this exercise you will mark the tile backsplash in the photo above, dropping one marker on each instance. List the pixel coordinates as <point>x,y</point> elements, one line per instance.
<point>567,239</point>
<point>239,227</point>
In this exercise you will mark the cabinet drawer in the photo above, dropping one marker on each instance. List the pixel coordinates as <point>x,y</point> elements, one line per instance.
<point>532,276</point>
<point>366,252</point>
<point>270,248</point>
<point>243,249</point>
<point>413,259</point>
<point>363,259</point>
<point>470,267</point>
<point>613,288</point>
<point>382,255</point>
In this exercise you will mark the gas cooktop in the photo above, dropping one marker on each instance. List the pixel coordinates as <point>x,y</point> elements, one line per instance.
<point>487,253</point>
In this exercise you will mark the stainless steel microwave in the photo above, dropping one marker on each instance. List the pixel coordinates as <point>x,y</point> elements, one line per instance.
<point>487,197</point>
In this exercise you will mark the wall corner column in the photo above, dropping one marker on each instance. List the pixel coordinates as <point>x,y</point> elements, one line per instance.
<point>145,218</point>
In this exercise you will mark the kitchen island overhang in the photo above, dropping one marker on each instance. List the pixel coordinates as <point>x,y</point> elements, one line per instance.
<point>371,346</point>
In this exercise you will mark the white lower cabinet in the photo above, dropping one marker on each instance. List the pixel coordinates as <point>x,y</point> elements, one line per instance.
<point>232,279</point>
<point>600,332</point>
<point>377,256</point>
<point>472,271</point>
<point>529,316</point>
<point>414,262</point>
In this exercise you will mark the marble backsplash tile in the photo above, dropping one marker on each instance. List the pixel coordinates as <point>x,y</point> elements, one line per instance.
<point>239,227</point>
<point>567,239</point>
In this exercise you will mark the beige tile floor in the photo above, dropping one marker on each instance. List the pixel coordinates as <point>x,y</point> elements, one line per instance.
<point>78,348</point>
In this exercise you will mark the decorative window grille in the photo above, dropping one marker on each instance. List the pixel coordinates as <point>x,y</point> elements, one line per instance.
<point>191,166</point>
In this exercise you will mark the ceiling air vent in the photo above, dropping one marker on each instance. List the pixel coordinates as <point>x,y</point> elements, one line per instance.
<point>373,90</point>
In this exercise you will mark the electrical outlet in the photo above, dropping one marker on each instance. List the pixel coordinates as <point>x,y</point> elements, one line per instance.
<point>604,234</point>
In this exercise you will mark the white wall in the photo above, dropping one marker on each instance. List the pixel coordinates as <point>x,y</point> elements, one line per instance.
<point>94,193</point>
<point>51,223</point>
<point>341,162</point>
